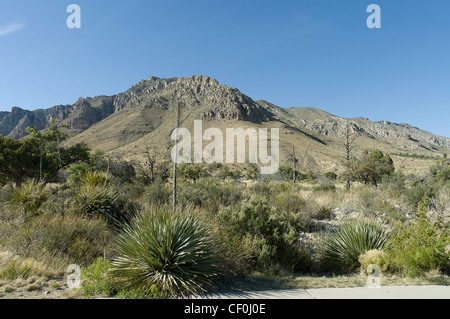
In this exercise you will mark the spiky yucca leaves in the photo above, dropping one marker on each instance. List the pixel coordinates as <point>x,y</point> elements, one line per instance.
<point>97,200</point>
<point>171,251</point>
<point>94,179</point>
<point>352,239</point>
<point>97,196</point>
<point>28,198</point>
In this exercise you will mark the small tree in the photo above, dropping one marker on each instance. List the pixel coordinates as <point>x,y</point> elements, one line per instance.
<point>371,167</point>
<point>441,169</point>
<point>190,171</point>
<point>49,148</point>
<point>19,160</point>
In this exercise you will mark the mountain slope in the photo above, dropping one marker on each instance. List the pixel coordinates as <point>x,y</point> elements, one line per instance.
<point>143,117</point>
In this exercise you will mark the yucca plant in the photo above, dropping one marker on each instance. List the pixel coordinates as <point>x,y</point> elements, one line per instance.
<point>94,179</point>
<point>323,211</point>
<point>171,251</point>
<point>97,200</point>
<point>27,198</point>
<point>97,196</point>
<point>353,238</point>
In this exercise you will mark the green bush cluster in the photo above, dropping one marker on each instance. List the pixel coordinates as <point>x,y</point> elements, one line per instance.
<point>210,194</point>
<point>420,245</point>
<point>271,235</point>
<point>131,243</point>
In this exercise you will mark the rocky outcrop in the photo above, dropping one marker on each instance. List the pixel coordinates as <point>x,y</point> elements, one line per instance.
<point>15,123</point>
<point>79,116</point>
<point>83,115</point>
<point>405,135</point>
<point>222,102</point>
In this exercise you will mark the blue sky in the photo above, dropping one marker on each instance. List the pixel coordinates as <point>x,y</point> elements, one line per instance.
<point>316,53</point>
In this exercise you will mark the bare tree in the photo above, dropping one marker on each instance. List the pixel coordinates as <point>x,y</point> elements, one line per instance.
<point>349,145</point>
<point>151,161</point>
<point>177,125</point>
<point>294,165</point>
<point>156,165</point>
<point>295,161</point>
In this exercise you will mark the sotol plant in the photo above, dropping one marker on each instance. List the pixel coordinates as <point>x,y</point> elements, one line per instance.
<point>352,239</point>
<point>171,251</point>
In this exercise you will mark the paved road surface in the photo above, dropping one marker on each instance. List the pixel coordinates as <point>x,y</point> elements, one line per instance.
<point>411,292</point>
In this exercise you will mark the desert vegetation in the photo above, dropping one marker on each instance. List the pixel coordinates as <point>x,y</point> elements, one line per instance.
<point>61,206</point>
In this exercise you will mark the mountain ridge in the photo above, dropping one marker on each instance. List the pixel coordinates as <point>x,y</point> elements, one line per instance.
<point>125,124</point>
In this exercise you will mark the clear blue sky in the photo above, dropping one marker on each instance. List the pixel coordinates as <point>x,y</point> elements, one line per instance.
<point>316,53</point>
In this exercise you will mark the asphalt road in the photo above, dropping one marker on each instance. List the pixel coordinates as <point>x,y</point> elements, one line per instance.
<point>410,292</point>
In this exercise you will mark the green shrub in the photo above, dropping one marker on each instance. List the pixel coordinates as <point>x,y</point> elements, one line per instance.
<point>235,254</point>
<point>6,192</point>
<point>421,245</point>
<point>286,173</point>
<point>210,194</point>
<point>77,171</point>
<point>227,172</point>
<point>190,171</point>
<point>366,198</point>
<point>273,236</point>
<point>58,240</point>
<point>287,202</point>
<point>394,184</point>
<point>416,193</point>
<point>441,169</point>
<point>63,202</point>
<point>325,187</point>
<point>352,239</point>
<point>264,189</point>
<point>74,238</point>
<point>96,280</point>
<point>6,215</point>
<point>171,251</point>
<point>332,176</point>
<point>157,193</point>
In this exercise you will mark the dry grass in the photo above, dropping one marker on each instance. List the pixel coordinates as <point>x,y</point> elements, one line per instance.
<point>15,267</point>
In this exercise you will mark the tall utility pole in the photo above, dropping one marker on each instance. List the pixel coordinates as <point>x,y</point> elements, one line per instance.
<point>177,125</point>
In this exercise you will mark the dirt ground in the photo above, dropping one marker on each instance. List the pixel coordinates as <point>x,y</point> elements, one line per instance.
<point>35,288</point>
